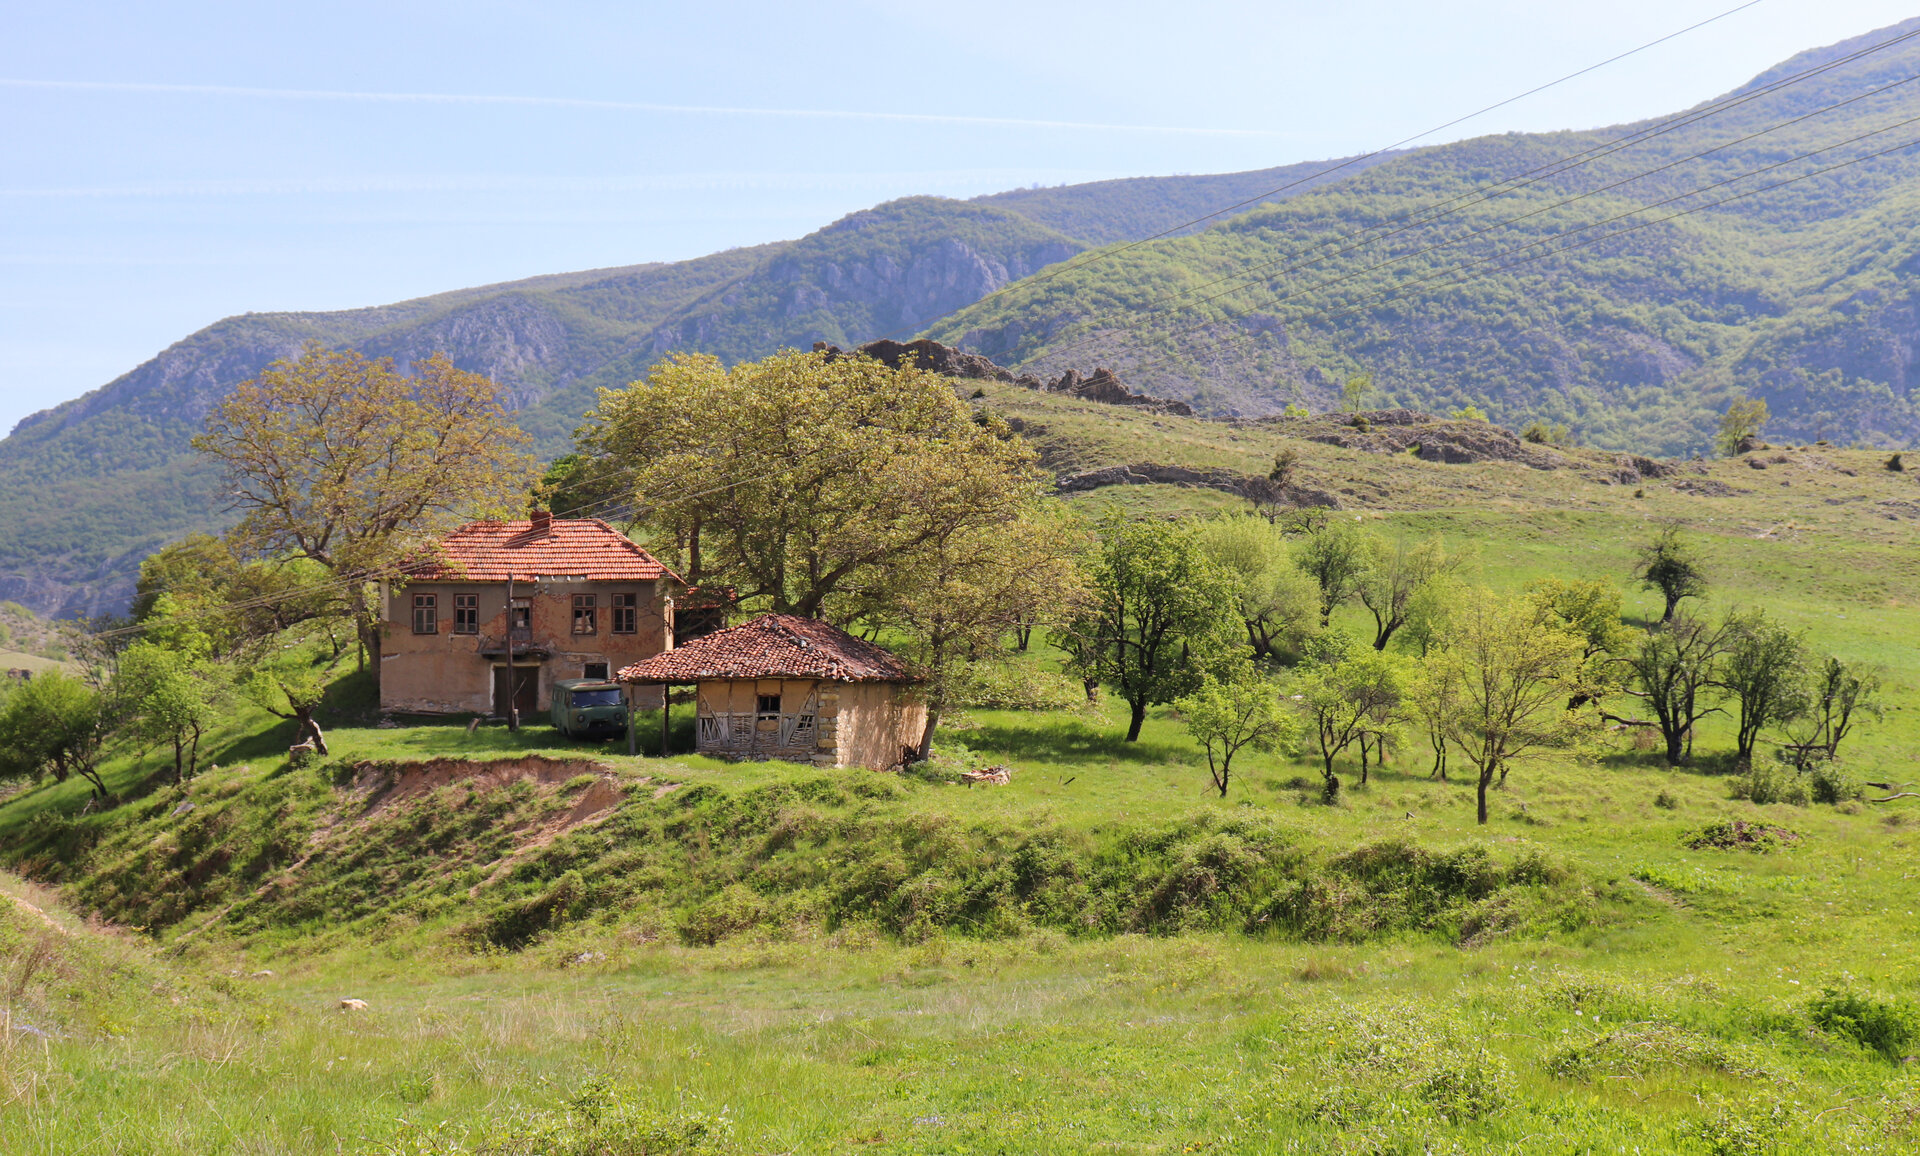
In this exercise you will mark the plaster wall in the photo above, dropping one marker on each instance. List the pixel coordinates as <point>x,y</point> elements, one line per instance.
<point>447,673</point>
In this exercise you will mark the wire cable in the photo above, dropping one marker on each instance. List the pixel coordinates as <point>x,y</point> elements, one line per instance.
<point>1106,254</point>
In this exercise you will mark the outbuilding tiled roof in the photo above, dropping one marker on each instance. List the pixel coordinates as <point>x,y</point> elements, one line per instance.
<point>539,548</point>
<point>774,646</point>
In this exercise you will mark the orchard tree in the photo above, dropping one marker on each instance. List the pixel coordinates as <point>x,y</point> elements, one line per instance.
<point>1159,615</point>
<point>1348,694</point>
<point>1396,574</point>
<point>1675,671</point>
<point>1241,713</point>
<point>55,724</point>
<point>803,480</point>
<point>1277,601</point>
<point>958,598</point>
<point>346,462</point>
<point>1839,694</point>
<point>167,696</point>
<point>1335,553</point>
<point>1590,611</point>
<point>1433,699</point>
<point>1764,673</point>
<point>1670,565</point>
<point>1514,669</point>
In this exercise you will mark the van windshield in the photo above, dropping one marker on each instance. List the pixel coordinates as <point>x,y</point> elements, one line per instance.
<point>604,697</point>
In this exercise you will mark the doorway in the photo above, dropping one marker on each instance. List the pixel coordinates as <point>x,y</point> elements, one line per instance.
<point>523,683</point>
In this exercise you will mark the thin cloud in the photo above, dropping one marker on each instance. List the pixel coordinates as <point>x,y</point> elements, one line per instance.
<point>991,180</point>
<point>614,106</point>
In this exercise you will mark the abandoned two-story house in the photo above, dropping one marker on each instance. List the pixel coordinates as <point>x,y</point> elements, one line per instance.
<point>510,608</point>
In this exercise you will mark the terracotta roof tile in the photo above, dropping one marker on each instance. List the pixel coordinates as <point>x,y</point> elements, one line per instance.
<point>572,547</point>
<point>774,646</point>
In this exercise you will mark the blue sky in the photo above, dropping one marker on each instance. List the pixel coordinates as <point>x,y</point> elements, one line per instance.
<point>165,165</point>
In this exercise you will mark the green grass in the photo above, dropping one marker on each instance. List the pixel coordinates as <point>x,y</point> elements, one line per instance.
<point>1102,956</point>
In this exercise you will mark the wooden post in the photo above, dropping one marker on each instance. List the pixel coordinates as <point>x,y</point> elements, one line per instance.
<point>628,692</point>
<point>666,715</point>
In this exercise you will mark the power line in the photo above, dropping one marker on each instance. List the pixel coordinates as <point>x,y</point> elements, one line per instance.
<point>1438,210</point>
<point>1107,254</point>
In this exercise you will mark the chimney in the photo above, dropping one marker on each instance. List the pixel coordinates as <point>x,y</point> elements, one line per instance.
<point>542,523</point>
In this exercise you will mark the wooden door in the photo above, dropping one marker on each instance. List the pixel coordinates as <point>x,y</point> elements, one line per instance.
<point>525,682</point>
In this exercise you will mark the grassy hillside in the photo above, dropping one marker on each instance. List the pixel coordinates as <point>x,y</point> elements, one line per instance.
<point>90,487</point>
<point>1101,955</point>
<point>1801,295</point>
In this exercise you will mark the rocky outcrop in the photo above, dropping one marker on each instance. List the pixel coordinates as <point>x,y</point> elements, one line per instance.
<point>1430,438</point>
<point>1249,486</point>
<point>1101,385</point>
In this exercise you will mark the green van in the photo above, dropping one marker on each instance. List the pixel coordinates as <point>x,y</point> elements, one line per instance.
<point>589,708</point>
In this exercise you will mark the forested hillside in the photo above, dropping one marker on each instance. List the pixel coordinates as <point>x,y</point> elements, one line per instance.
<point>1625,282</point>
<point>90,487</point>
<point>1764,243</point>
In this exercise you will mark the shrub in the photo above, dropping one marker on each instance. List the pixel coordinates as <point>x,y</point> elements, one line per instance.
<point>1895,464</point>
<point>1666,801</point>
<point>1884,1026</point>
<point>1765,784</point>
<point>1542,433</point>
<point>1833,783</point>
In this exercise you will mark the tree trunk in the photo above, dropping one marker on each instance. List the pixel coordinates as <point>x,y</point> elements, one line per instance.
<point>1139,717</point>
<point>1092,687</point>
<point>1675,756</point>
<point>1486,778</point>
<point>179,759</point>
<point>193,760</point>
<point>309,731</point>
<point>925,750</point>
<point>1363,760</point>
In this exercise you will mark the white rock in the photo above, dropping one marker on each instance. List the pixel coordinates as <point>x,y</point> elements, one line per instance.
<point>353,1005</point>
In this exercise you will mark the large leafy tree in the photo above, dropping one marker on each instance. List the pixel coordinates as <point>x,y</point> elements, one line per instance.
<point>1277,601</point>
<point>1675,671</point>
<point>1335,553</point>
<point>805,479</point>
<point>55,724</point>
<point>1158,618</point>
<point>349,463</point>
<point>1765,673</point>
<point>1394,578</point>
<point>1512,669</point>
<point>960,597</point>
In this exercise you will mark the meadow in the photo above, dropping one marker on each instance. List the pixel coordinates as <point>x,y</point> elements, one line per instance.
<point>685,955</point>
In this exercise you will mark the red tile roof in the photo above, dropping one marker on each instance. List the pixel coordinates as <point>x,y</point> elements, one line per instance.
<point>774,646</point>
<point>566,547</point>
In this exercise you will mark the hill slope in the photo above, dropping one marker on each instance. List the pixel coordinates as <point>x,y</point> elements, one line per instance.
<point>1804,294</point>
<point>90,487</point>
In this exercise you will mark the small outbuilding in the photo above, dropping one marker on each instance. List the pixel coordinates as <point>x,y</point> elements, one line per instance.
<point>783,687</point>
